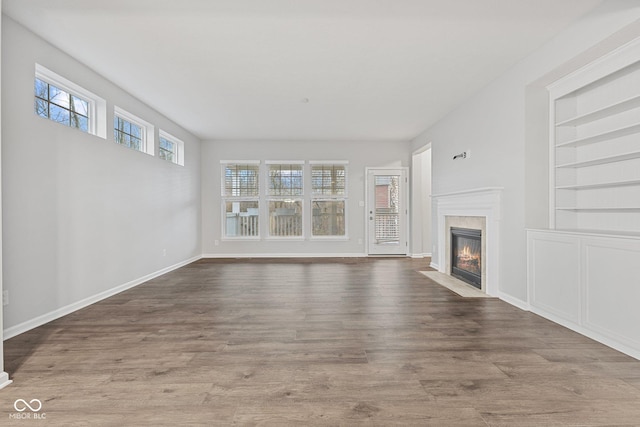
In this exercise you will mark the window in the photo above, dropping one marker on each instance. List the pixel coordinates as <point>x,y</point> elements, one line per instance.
<point>132,131</point>
<point>61,106</point>
<point>171,149</point>
<point>285,192</point>
<point>241,199</point>
<point>328,199</point>
<point>64,102</point>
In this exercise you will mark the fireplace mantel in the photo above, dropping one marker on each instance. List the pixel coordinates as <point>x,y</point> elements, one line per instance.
<point>480,202</point>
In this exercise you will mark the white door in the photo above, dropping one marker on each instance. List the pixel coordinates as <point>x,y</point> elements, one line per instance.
<point>387,211</point>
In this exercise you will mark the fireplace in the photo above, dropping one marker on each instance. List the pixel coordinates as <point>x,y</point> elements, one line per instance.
<point>466,259</point>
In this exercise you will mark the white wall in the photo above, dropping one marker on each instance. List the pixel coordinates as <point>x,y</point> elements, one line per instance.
<point>421,203</point>
<point>492,125</point>
<point>83,215</point>
<point>4,377</point>
<point>359,155</point>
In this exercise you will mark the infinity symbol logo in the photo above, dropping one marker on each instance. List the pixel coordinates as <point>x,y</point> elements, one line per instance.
<point>21,405</point>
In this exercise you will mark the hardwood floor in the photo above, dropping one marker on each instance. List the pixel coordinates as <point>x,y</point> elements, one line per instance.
<point>314,342</point>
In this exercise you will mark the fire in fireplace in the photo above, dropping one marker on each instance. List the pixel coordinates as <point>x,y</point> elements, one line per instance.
<point>466,262</point>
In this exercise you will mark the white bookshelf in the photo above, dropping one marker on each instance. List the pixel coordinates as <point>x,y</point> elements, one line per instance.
<point>595,146</point>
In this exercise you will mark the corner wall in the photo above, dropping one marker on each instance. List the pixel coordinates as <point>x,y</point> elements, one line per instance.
<point>83,216</point>
<point>507,150</point>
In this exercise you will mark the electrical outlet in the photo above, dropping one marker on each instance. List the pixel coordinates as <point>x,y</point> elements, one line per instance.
<point>5,297</point>
<point>164,252</point>
<point>216,242</point>
<point>359,241</point>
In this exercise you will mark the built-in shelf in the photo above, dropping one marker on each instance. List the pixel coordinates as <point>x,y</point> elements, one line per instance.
<point>599,107</point>
<point>601,160</point>
<point>610,110</point>
<point>611,184</point>
<point>605,136</point>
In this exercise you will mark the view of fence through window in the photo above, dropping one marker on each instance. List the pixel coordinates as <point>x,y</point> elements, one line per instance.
<point>387,217</point>
<point>328,190</point>
<point>284,201</point>
<point>240,190</point>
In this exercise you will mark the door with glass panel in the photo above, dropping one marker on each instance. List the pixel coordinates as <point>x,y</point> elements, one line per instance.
<point>387,211</point>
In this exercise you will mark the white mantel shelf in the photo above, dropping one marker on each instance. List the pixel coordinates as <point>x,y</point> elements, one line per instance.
<point>471,191</point>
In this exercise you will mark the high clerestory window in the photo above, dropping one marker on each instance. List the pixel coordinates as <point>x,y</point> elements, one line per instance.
<point>171,149</point>
<point>133,132</point>
<point>64,102</point>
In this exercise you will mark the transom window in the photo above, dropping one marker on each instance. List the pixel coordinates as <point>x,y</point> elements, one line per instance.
<point>64,102</point>
<point>127,133</point>
<point>61,106</point>
<point>133,132</point>
<point>171,149</point>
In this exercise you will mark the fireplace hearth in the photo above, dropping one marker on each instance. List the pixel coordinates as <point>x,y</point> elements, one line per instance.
<point>466,255</point>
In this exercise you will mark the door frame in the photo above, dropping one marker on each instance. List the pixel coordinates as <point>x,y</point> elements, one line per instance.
<point>404,189</point>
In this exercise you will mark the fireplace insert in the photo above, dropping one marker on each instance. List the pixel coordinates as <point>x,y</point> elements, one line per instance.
<point>466,262</point>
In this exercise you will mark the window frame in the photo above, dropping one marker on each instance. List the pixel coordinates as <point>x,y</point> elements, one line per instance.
<point>96,106</point>
<point>257,197</point>
<point>323,197</point>
<point>291,198</point>
<point>147,138</point>
<point>179,154</point>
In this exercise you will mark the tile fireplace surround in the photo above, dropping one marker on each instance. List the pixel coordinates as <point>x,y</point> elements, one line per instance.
<point>477,209</point>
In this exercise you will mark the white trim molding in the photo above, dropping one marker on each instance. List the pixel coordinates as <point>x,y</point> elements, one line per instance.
<point>481,202</point>
<point>68,309</point>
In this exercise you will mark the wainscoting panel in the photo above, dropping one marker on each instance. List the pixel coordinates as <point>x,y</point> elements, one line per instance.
<point>587,282</point>
<point>555,270</point>
<point>612,288</point>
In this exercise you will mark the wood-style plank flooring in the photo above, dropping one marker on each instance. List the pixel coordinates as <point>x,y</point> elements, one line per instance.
<point>314,342</point>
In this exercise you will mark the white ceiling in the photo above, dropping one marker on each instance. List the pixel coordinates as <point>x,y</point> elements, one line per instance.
<point>241,69</point>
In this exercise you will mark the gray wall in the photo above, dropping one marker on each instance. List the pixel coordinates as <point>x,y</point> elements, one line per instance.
<point>359,155</point>
<point>83,215</point>
<point>504,126</point>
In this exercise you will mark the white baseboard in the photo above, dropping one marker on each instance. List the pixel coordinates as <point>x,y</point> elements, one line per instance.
<point>628,349</point>
<point>425,255</point>
<point>68,309</point>
<point>434,266</point>
<point>4,380</point>
<point>522,305</point>
<point>287,255</point>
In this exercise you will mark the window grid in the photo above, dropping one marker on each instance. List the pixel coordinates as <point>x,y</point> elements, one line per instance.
<point>168,150</point>
<point>61,106</point>
<point>171,148</point>
<point>128,134</point>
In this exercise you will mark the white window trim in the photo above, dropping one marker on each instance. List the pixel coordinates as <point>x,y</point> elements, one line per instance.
<point>299,197</point>
<point>324,197</point>
<point>97,122</point>
<point>179,146</point>
<point>148,130</point>
<point>224,199</point>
